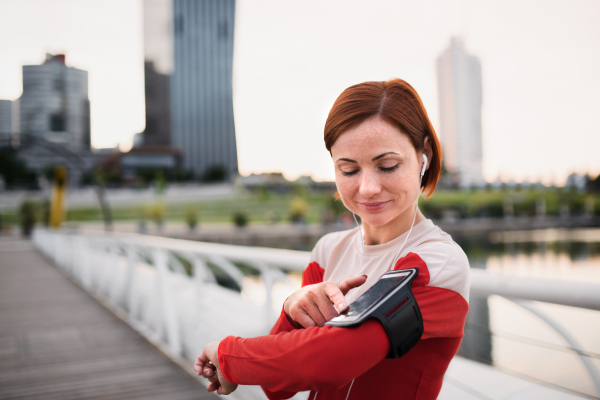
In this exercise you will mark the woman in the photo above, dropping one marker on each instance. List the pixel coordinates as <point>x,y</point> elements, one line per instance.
<point>385,152</point>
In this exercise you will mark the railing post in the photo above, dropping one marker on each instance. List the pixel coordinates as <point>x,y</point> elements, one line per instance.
<point>86,268</point>
<point>130,285</point>
<point>269,275</point>
<point>268,280</point>
<point>201,275</point>
<point>112,276</point>
<point>166,303</point>
<point>201,271</point>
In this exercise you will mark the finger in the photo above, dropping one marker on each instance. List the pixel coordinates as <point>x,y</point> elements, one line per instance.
<point>335,297</point>
<point>351,283</point>
<point>221,390</point>
<point>324,301</point>
<point>213,386</point>
<point>312,309</point>
<point>208,372</point>
<point>300,316</point>
<point>199,365</point>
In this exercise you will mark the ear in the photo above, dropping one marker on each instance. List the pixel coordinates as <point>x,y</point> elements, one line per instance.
<point>427,152</point>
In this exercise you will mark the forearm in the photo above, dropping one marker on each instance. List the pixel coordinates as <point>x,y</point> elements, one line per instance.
<point>304,359</point>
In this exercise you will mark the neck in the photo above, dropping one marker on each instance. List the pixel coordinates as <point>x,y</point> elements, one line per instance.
<point>384,233</point>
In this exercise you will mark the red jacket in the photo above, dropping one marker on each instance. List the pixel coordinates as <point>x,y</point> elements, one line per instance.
<point>327,359</point>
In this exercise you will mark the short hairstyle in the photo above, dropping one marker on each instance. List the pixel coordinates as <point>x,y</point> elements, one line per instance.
<point>397,103</point>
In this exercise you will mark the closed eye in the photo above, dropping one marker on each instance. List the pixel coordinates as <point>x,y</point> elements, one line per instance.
<point>390,169</point>
<point>349,173</point>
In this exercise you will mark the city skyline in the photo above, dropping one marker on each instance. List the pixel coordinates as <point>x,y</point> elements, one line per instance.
<point>539,82</point>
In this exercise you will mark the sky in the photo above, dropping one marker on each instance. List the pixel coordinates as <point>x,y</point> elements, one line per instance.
<point>540,63</point>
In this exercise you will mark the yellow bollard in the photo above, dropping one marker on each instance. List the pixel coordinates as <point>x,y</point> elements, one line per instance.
<point>59,192</point>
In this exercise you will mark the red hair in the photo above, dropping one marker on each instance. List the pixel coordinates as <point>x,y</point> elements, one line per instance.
<point>396,102</point>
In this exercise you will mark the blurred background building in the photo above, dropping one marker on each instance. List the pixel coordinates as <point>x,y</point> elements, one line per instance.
<point>158,65</point>
<point>202,123</point>
<point>55,117</point>
<point>460,100</point>
<point>55,104</point>
<point>5,123</point>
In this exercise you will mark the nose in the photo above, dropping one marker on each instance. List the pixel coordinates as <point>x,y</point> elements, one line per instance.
<point>369,185</point>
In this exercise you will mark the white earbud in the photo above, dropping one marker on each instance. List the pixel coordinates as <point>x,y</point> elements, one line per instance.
<point>424,165</point>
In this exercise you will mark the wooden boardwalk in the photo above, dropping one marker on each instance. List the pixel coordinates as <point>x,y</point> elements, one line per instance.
<point>57,342</point>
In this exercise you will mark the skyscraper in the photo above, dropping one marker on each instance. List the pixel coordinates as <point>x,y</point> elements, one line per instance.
<point>460,100</point>
<point>55,104</point>
<point>202,123</point>
<point>158,65</point>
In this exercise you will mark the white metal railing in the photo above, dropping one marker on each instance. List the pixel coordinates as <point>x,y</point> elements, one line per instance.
<point>167,287</point>
<point>567,293</point>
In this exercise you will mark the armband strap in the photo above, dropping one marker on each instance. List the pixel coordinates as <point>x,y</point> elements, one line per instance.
<point>397,311</point>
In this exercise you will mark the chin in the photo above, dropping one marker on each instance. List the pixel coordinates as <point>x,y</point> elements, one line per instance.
<point>376,219</point>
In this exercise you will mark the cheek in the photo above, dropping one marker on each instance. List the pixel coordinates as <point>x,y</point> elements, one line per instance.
<point>401,185</point>
<point>346,187</point>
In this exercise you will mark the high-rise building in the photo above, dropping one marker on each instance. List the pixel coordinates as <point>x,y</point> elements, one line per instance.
<point>54,114</point>
<point>158,65</point>
<point>158,107</point>
<point>55,104</point>
<point>6,129</point>
<point>202,123</point>
<point>460,101</point>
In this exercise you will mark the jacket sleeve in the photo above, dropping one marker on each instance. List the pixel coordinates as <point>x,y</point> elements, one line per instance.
<point>304,359</point>
<point>444,310</point>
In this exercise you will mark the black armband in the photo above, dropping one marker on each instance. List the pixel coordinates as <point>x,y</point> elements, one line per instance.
<point>389,300</point>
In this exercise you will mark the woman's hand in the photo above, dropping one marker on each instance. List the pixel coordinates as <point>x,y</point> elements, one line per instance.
<point>207,365</point>
<point>316,304</point>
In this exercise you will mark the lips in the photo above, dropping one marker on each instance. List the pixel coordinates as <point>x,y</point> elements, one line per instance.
<point>374,206</point>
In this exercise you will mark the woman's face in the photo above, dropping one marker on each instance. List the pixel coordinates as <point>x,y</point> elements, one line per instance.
<point>377,172</point>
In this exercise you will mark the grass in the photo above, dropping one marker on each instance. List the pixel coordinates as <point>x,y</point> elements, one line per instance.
<point>256,208</point>
<point>276,207</point>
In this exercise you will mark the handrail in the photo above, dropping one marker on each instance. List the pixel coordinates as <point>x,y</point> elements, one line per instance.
<point>567,293</point>
<point>292,260</point>
<point>483,283</point>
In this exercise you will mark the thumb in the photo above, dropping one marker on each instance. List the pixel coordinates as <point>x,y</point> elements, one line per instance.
<point>351,283</point>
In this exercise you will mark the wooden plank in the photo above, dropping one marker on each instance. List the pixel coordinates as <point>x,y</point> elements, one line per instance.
<point>57,342</point>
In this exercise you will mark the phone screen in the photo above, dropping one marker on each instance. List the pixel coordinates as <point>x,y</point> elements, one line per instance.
<point>379,290</point>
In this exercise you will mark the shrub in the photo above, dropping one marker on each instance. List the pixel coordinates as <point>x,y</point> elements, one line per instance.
<point>191,217</point>
<point>240,219</point>
<point>157,213</point>
<point>216,173</point>
<point>298,210</point>
<point>28,215</point>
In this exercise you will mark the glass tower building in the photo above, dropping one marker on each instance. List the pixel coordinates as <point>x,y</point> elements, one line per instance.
<point>202,123</point>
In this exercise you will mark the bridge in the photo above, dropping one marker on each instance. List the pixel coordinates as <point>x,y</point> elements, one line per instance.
<point>58,342</point>
<point>100,315</point>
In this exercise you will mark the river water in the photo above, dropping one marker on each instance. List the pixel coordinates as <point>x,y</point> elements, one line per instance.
<point>503,333</point>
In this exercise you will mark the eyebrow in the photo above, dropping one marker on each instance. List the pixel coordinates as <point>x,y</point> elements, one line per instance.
<point>374,159</point>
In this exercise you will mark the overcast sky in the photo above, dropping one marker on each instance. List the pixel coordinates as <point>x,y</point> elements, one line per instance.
<point>540,63</point>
